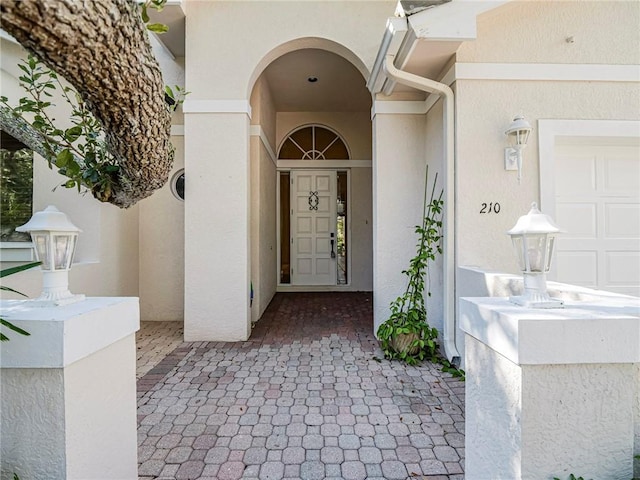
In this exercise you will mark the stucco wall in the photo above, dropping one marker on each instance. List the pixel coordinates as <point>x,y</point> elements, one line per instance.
<point>100,413</point>
<point>566,423</point>
<point>434,147</point>
<point>361,278</point>
<point>263,228</point>
<point>493,384</point>
<point>536,32</point>
<point>229,70</point>
<point>264,248</point>
<point>217,229</point>
<point>399,146</point>
<point>161,230</point>
<point>23,392</point>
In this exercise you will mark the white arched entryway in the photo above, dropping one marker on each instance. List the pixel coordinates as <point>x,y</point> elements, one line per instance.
<point>310,148</point>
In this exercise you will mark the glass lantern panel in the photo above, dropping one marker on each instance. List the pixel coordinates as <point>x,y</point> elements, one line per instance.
<point>550,245</point>
<point>537,252</point>
<point>43,253</point>
<point>517,244</point>
<point>63,248</point>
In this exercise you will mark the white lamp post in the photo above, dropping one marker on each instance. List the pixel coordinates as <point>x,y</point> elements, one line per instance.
<point>518,132</point>
<point>54,238</point>
<point>533,237</point>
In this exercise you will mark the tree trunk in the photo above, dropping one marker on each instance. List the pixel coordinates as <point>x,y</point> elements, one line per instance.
<point>101,47</point>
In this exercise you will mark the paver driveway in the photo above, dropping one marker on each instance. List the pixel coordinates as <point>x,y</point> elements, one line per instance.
<point>309,396</point>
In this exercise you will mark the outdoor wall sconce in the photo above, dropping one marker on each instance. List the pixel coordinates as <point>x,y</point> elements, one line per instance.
<point>54,238</point>
<point>533,237</point>
<point>518,133</point>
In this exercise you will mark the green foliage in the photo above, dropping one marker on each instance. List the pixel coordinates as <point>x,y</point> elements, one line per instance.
<point>408,311</point>
<point>16,187</point>
<point>5,323</point>
<point>79,152</point>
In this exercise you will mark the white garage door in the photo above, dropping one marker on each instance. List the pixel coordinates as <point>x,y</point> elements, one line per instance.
<point>598,205</point>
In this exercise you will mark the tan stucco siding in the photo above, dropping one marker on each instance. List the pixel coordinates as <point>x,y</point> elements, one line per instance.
<point>537,31</point>
<point>162,250</point>
<point>227,40</point>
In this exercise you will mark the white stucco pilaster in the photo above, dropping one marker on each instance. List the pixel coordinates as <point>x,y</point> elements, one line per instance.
<point>398,186</point>
<point>217,240</point>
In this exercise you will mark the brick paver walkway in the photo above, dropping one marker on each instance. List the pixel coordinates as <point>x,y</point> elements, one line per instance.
<point>309,396</point>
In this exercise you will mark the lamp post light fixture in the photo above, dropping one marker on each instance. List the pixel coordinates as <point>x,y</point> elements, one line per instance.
<point>533,237</point>
<point>54,238</point>
<point>518,132</point>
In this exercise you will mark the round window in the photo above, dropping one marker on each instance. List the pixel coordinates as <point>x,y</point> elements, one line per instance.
<point>177,184</point>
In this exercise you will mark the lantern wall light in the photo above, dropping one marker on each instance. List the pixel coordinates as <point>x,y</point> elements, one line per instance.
<point>518,134</point>
<point>54,238</point>
<point>533,238</point>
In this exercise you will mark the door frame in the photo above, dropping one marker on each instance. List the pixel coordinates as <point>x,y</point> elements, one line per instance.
<point>337,166</point>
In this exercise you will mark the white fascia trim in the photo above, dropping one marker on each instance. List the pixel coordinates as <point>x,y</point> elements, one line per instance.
<point>415,107</point>
<point>177,130</point>
<point>258,131</point>
<point>288,164</point>
<point>455,20</point>
<point>217,106</point>
<point>391,40</point>
<point>548,133</point>
<point>547,72</point>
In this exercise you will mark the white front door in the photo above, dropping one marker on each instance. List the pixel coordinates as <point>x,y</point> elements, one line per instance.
<point>313,227</point>
<point>598,205</point>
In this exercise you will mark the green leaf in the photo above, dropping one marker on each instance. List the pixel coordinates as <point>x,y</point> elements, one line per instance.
<point>64,158</point>
<point>144,14</point>
<point>69,184</point>
<point>9,289</point>
<point>13,270</point>
<point>157,27</point>
<point>72,134</point>
<point>11,326</point>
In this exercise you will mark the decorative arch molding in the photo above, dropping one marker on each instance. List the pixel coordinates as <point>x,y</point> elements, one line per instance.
<point>313,142</point>
<point>304,43</point>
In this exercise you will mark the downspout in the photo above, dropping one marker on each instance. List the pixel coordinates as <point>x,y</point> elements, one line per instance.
<point>448,119</point>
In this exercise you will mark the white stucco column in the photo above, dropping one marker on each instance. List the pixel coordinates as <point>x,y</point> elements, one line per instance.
<point>549,392</point>
<point>217,240</point>
<point>68,391</point>
<point>398,187</point>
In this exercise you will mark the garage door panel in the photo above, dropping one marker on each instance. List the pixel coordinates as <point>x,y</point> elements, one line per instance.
<point>576,174</point>
<point>598,204</point>
<point>621,174</point>
<point>578,219</point>
<point>621,267</point>
<point>578,268</point>
<point>622,220</point>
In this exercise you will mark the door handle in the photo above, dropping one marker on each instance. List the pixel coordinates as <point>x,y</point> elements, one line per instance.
<point>333,253</point>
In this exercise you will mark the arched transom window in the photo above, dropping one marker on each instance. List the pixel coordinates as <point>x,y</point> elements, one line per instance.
<point>313,142</point>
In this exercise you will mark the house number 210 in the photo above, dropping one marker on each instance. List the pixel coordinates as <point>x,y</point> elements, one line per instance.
<point>490,208</point>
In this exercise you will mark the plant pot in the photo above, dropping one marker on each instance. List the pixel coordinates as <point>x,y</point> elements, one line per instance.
<point>402,343</point>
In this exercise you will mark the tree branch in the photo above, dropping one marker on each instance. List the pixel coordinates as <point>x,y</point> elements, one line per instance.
<point>103,51</point>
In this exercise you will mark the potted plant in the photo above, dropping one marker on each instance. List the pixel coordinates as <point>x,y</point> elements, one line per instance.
<point>406,334</point>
